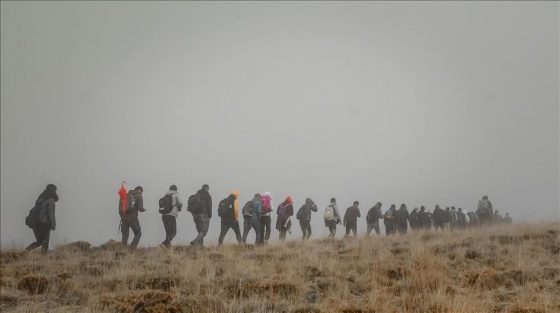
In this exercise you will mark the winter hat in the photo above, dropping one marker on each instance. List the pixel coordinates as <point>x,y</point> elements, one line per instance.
<point>289,199</point>
<point>235,193</point>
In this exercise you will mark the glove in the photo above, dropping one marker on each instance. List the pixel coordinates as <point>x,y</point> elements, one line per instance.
<point>52,228</point>
<point>142,210</point>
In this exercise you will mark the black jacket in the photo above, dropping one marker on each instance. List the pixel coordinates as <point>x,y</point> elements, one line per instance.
<point>206,202</point>
<point>352,214</point>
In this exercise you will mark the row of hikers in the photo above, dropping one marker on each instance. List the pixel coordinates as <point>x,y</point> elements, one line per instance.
<point>257,216</point>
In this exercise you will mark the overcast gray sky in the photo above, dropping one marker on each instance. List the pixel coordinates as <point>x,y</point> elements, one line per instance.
<point>420,103</point>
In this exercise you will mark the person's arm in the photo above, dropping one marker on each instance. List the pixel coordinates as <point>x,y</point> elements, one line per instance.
<point>178,201</point>
<point>314,207</point>
<point>50,212</point>
<point>140,203</point>
<point>208,205</point>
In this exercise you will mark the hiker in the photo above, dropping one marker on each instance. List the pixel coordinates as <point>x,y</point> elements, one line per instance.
<point>473,218</point>
<point>170,219</point>
<point>228,210</point>
<point>283,221</point>
<point>484,211</point>
<point>461,219</point>
<point>439,218</point>
<point>351,219</point>
<point>331,218</point>
<point>372,218</point>
<point>304,217</point>
<point>401,219</point>
<point>389,221</point>
<point>46,221</point>
<point>266,201</point>
<point>453,221</point>
<point>252,218</point>
<point>200,206</point>
<point>508,220</point>
<point>413,219</point>
<point>447,218</point>
<point>129,218</point>
<point>423,219</point>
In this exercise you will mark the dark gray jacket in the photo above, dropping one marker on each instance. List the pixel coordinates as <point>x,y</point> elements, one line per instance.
<point>306,209</point>
<point>46,212</point>
<point>352,214</point>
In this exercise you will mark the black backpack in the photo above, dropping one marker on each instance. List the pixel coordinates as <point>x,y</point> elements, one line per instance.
<point>166,204</point>
<point>194,203</point>
<point>33,219</point>
<point>248,209</point>
<point>224,210</point>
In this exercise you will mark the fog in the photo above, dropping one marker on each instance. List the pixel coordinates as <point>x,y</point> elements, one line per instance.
<point>399,102</point>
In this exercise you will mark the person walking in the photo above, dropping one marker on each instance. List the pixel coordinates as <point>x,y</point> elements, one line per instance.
<point>252,218</point>
<point>331,218</point>
<point>439,216</point>
<point>283,222</point>
<point>200,207</point>
<point>228,210</point>
<point>46,221</point>
<point>129,218</point>
<point>372,218</point>
<point>401,219</point>
<point>389,221</point>
<point>170,219</point>
<point>266,201</point>
<point>351,219</point>
<point>304,217</point>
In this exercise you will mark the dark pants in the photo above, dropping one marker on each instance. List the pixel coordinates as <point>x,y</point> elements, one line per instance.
<point>170,225</point>
<point>390,226</point>
<point>283,228</point>
<point>226,225</point>
<point>305,229</point>
<point>332,228</point>
<point>438,226</point>
<point>126,224</point>
<point>265,228</point>
<point>372,226</point>
<point>202,223</point>
<point>351,226</point>
<point>254,223</point>
<point>42,234</point>
<point>402,228</point>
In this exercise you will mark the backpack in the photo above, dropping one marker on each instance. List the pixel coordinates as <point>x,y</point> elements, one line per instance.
<point>130,206</point>
<point>248,209</point>
<point>194,204</point>
<point>166,204</point>
<point>283,211</point>
<point>329,213</point>
<point>224,210</point>
<point>266,204</point>
<point>300,212</point>
<point>371,215</point>
<point>33,219</point>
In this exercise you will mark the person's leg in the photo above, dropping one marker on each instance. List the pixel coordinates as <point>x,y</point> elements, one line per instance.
<point>237,231</point>
<point>125,229</point>
<point>355,228</point>
<point>282,233</point>
<point>376,227</point>
<point>137,230</point>
<point>332,229</point>
<point>308,226</point>
<point>303,227</point>
<point>165,221</point>
<point>46,237</point>
<point>246,228</point>
<point>172,229</point>
<point>38,238</point>
<point>348,228</point>
<point>223,231</point>
<point>257,227</point>
<point>266,224</point>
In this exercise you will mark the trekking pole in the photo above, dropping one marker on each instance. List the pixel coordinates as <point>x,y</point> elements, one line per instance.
<point>119,227</point>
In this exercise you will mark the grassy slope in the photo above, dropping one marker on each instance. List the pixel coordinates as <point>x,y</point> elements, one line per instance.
<point>503,269</point>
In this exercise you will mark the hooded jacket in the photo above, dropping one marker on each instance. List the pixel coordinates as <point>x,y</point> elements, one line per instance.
<point>235,195</point>
<point>305,213</point>
<point>138,205</point>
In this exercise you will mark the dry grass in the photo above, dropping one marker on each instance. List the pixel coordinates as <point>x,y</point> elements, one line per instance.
<point>506,269</point>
